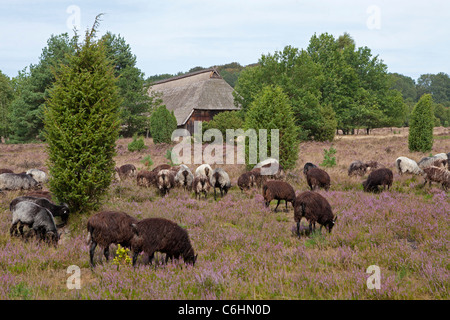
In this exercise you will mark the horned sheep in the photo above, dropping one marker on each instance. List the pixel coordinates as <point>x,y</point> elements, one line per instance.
<point>109,227</point>
<point>278,190</point>
<point>315,208</point>
<point>220,179</point>
<point>162,235</point>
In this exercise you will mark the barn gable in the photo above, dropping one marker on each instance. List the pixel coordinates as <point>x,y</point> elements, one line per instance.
<point>196,96</point>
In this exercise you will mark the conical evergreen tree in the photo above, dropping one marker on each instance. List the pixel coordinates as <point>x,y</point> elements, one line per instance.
<point>81,120</point>
<point>421,125</point>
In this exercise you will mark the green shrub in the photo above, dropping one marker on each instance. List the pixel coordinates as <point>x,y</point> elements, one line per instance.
<point>147,161</point>
<point>328,158</point>
<point>162,124</point>
<point>137,144</point>
<point>421,125</point>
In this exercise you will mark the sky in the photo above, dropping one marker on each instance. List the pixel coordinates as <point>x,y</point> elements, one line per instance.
<point>168,36</point>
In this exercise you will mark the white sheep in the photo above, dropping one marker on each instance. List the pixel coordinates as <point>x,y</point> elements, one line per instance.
<point>220,179</point>
<point>429,161</point>
<point>204,170</point>
<point>38,175</point>
<point>184,177</point>
<point>404,165</point>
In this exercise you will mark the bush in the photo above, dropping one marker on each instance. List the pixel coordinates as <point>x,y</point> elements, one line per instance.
<point>147,161</point>
<point>162,124</point>
<point>328,158</point>
<point>421,125</point>
<point>136,144</point>
<point>81,120</point>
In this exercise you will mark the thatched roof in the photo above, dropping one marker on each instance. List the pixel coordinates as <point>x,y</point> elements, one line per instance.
<point>201,90</point>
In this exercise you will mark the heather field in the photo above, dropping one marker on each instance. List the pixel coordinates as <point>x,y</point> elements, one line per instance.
<point>247,251</point>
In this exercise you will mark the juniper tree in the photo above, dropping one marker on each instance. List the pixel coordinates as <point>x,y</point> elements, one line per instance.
<point>81,121</point>
<point>421,125</point>
<point>162,124</point>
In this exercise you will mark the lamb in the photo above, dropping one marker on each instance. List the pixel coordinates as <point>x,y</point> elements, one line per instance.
<point>34,216</point>
<point>380,177</point>
<point>204,169</point>
<point>220,179</point>
<point>357,167</point>
<point>109,227</point>
<point>278,190</point>
<point>56,210</point>
<point>126,171</point>
<point>308,166</point>
<point>38,175</point>
<point>165,180</point>
<point>246,180</point>
<point>184,177</point>
<point>439,175</point>
<point>146,178</point>
<point>315,208</point>
<point>318,178</point>
<point>18,181</point>
<point>406,165</point>
<point>201,184</point>
<point>162,235</point>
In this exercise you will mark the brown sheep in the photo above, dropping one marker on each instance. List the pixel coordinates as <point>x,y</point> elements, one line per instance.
<point>439,175</point>
<point>259,178</point>
<point>40,194</point>
<point>315,208</point>
<point>146,178</point>
<point>246,180</point>
<point>162,235</point>
<point>278,190</point>
<point>318,178</point>
<point>201,184</point>
<point>308,166</point>
<point>109,227</point>
<point>126,171</point>
<point>380,177</point>
<point>162,167</point>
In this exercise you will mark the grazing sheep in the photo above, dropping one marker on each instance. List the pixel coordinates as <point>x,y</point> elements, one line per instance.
<point>318,178</point>
<point>109,227</point>
<point>406,165</point>
<point>56,210</point>
<point>162,167</point>
<point>308,166</point>
<point>357,167</point>
<point>258,177</point>
<point>201,184</point>
<point>220,179</point>
<point>4,170</point>
<point>440,163</point>
<point>126,171</point>
<point>40,194</point>
<point>246,180</point>
<point>204,169</point>
<point>38,175</point>
<point>278,190</point>
<point>165,180</point>
<point>18,181</point>
<point>380,177</point>
<point>162,235</point>
<point>184,177</point>
<point>439,175</point>
<point>146,178</point>
<point>429,161</point>
<point>34,216</point>
<point>315,208</point>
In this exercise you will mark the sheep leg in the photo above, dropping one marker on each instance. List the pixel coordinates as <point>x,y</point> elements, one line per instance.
<point>285,201</point>
<point>298,228</point>
<point>215,197</point>
<point>135,256</point>
<point>106,252</point>
<point>91,251</point>
<point>221,192</point>
<point>277,205</point>
<point>13,229</point>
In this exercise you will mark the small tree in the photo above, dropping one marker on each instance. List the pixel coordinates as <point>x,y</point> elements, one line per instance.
<point>81,122</point>
<point>162,124</point>
<point>271,110</point>
<point>421,125</point>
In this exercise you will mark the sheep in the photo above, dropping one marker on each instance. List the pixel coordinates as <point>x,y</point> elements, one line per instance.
<point>204,169</point>
<point>379,177</point>
<point>406,165</point>
<point>109,227</point>
<point>38,175</point>
<point>39,194</point>
<point>439,175</point>
<point>201,184</point>
<point>220,179</point>
<point>278,190</point>
<point>372,165</point>
<point>34,216</point>
<point>258,177</point>
<point>18,181</point>
<point>315,208</point>
<point>440,163</point>
<point>357,167</point>
<point>246,180</point>
<point>161,167</point>
<point>5,170</point>
<point>165,180</point>
<point>126,171</point>
<point>146,178</point>
<point>308,166</point>
<point>184,177</point>
<point>318,178</point>
<point>56,210</point>
<point>162,235</point>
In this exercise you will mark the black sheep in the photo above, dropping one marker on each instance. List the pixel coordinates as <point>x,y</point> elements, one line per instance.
<point>318,178</point>
<point>278,190</point>
<point>315,208</point>
<point>162,235</point>
<point>380,177</point>
<point>308,166</point>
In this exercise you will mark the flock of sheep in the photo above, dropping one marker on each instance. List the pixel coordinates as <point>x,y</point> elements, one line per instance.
<point>36,210</point>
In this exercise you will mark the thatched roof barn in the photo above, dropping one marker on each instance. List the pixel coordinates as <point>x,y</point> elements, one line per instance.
<point>196,96</point>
